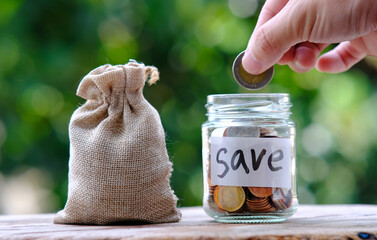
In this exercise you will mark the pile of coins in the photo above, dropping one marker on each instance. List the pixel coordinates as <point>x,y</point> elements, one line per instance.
<point>243,199</point>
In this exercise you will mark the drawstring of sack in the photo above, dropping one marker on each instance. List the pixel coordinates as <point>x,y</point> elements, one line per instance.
<point>151,75</point>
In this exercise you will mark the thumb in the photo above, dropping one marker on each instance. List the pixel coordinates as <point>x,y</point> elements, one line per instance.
<point>268,43</point>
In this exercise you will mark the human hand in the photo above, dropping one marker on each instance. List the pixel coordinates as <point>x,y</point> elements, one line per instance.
<point>295,33</point>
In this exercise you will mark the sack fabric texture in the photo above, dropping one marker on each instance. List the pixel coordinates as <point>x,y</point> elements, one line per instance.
<point>119,169</point>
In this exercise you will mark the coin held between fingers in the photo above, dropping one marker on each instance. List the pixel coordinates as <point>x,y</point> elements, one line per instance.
<point>247,80</point>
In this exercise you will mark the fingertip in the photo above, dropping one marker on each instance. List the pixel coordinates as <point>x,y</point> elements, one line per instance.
<point>306,57</point>
<point>340,59</point>
<point>331,63</point>
<point>297,67</point>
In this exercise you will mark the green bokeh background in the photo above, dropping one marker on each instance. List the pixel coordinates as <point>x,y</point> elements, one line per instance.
<point>46,47</point>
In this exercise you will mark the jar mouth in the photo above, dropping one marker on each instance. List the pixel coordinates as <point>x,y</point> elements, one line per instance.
<point>214,97</point>
<point>272,105</point>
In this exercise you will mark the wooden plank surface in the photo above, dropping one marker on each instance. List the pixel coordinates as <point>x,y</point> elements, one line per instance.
<point>310,222</point>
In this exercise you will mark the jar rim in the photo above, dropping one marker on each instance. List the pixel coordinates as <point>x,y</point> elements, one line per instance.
<point>247,95</point>
<point>273,105</point>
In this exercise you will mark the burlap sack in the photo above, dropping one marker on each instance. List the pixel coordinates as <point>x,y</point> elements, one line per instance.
<point>119,169</point>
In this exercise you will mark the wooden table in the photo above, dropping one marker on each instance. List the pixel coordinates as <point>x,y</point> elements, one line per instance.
<point>310,222</point>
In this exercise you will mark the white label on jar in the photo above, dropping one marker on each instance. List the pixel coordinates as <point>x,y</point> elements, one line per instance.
<point>251,162</point>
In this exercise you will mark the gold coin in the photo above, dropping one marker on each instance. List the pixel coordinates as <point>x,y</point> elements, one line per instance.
<point>210,202</point>
<point>247,80</point>
<point>229,198</point>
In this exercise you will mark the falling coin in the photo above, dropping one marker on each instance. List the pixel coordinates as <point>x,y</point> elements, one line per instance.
<point>229,198</point>
<point>247,80</point>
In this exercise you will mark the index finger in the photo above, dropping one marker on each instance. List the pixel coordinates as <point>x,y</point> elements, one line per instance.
<point>269,10</point>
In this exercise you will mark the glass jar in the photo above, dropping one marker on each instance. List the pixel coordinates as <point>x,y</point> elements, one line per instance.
<point>249,158</point>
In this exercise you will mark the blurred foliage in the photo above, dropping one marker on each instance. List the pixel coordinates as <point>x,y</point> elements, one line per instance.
<point>46,47</point>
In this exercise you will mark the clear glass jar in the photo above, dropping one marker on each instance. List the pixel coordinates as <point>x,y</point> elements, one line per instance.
<point>249,158</point>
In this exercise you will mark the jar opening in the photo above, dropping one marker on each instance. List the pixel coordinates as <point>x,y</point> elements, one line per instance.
<point>267,105</point>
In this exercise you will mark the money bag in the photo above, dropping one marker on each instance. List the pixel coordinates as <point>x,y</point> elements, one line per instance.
<point>119,169</point>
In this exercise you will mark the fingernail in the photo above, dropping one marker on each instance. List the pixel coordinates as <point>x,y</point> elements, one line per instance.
<point>299,67</point>
<point>251,64</point>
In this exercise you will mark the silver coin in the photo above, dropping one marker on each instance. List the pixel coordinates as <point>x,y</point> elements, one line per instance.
<point>247,80</point>
<point>242,132</point>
